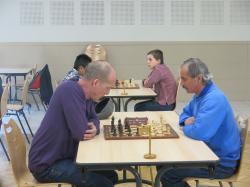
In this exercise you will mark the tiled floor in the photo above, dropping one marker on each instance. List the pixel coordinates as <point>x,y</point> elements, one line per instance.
<point>35,117</point>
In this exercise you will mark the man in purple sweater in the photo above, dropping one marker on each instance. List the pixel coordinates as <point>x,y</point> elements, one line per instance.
<point>69,119</point>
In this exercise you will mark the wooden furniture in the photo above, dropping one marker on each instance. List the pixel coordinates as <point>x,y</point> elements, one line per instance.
<point>239,173</point>
<point>131,94</point>
<point>17,151</point>
<point>15,72</point>
<point>17,108</point>
<point>122,154</point>
<point>3,110</point>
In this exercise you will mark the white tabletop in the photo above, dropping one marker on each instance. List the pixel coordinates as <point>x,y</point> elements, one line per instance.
<point>15,70</point>
<point>99,151</point>
<point>142,91</point>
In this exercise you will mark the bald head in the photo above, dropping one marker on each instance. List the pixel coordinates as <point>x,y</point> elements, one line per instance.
<point>100,70</point>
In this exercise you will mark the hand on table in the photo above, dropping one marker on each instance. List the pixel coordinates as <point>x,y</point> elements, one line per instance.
<point>91,132</point>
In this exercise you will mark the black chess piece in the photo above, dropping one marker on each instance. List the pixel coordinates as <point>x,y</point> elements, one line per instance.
<point>117,83</point>
<point>119,122</point>
<point>126,125</point>
<point>112,123</point>
<point>114,132</point>
<point>129,131</point>
<point>120,129</point>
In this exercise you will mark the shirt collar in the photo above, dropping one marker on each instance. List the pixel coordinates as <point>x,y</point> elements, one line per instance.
<point>205,89</point>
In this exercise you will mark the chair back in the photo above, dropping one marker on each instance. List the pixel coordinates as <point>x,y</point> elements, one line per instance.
<point>25,92</point>
<point>4,100</point>
<point>244,125</point>
<point>17,149</point>
<point>96,52</point>
<point>34,69</point>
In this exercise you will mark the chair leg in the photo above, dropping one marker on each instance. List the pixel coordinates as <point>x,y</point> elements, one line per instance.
<point>22,127</point>
<point>42,103</point>
<point>5,151</point>
<point>22,112</point>
<point>34,98</point>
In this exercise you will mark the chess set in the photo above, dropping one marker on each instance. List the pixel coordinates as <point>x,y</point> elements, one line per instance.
<point>126,84</point>
<point>137,128</point>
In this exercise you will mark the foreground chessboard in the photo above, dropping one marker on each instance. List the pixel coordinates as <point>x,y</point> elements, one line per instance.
<point>157,132</point>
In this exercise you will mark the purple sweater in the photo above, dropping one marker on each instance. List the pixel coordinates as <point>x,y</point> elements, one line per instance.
<point>62,127</point>
<point>164,84</point>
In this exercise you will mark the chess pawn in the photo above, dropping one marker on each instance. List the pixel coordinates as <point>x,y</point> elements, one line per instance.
<point>112,120</point>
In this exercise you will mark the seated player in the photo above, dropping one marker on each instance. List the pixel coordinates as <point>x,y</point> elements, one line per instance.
<point>78,70</point>
<point>163,82</point>
<point>208,117</point>
<point>69,119</point>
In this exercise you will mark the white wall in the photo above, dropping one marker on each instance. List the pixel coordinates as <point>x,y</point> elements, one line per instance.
<point>124,20</point>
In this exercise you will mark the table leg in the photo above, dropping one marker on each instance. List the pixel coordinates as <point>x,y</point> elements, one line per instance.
<point>116,104</point>
<point>136,175</point>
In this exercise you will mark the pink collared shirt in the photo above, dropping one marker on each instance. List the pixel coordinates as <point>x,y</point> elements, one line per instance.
<point>164,84</point>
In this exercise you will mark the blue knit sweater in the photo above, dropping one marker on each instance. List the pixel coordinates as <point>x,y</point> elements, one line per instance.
<point>214,124</point>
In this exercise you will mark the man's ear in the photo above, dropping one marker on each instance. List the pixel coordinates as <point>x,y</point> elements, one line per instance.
<point>199,77</point>
<point>95,82</point>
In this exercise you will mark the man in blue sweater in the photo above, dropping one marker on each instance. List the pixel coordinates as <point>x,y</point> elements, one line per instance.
<point>208,117</point>
<point>69,119</point>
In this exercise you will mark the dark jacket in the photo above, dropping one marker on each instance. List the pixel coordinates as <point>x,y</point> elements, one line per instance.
<point>46,89</point>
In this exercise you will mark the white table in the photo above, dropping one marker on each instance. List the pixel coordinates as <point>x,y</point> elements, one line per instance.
<point>140,93</point>
<point>14,72</point>
<point>122,154</point>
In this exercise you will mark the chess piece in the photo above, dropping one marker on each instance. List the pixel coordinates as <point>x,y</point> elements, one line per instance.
<point>126,125</point>
<point>112,120</point>
<point>117,83</point>
<point>123,84</point>
<point>130,82</point>
<point>112,124</point>
<point>120,129</point>
<point>114,132</point>
<point>129,131</point>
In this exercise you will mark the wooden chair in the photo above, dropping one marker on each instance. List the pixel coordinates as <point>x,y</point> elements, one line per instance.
<point>96,52</point>
<point>17,109</point>
<point>17,150</point>
<point>3,110</point>
<point>239,173</point>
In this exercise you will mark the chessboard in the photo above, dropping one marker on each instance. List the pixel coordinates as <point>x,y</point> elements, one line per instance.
<point>136,128</point>
<point>125,84</point>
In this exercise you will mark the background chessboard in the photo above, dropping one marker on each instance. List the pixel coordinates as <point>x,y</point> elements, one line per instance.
<point>125,84</point>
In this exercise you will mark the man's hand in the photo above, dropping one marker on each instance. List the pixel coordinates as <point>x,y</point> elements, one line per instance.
<point>145,81</point>
<point>91,132</point>
<point>189,121</point>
